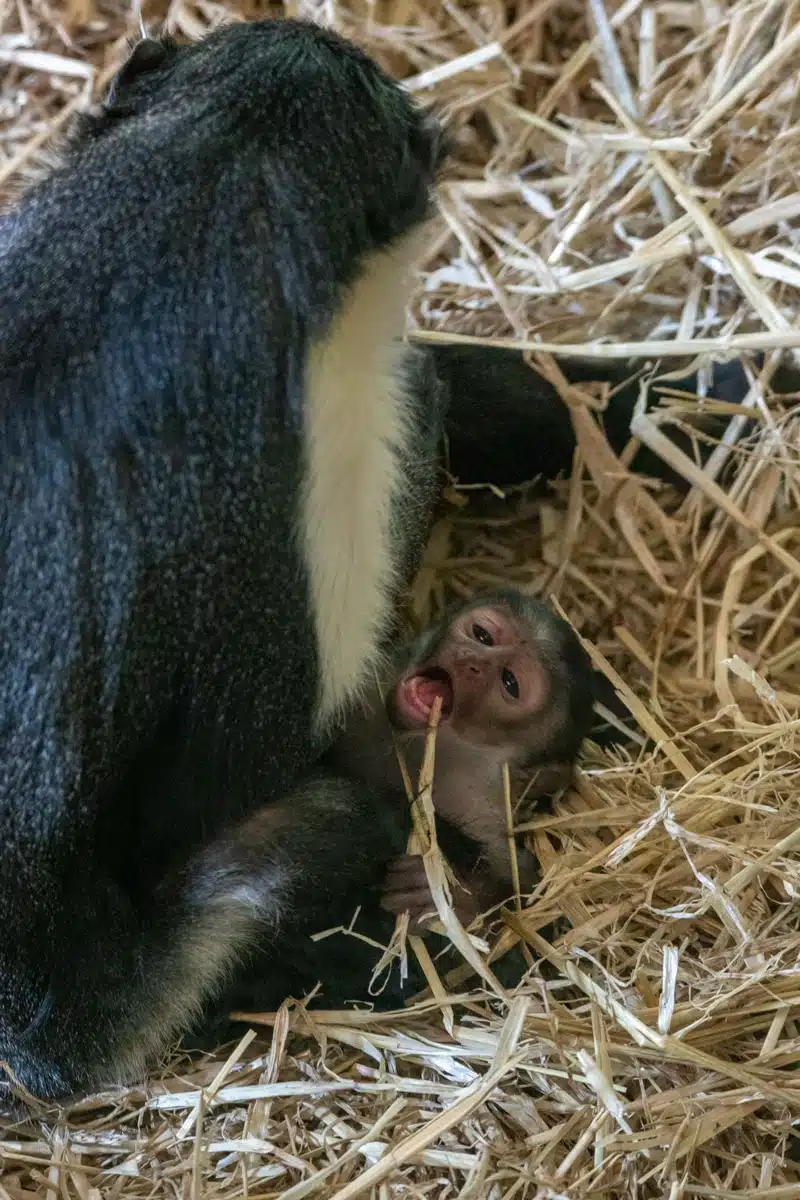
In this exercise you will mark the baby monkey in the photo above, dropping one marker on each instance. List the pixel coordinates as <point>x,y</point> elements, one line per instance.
<point>516,687</point>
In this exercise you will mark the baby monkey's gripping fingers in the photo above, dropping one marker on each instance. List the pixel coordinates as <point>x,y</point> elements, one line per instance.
<point>407,890</point>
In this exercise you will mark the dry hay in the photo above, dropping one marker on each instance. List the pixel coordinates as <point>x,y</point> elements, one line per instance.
<point>624,174</point>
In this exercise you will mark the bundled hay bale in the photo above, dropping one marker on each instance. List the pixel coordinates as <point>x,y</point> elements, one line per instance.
<point>625,176</point>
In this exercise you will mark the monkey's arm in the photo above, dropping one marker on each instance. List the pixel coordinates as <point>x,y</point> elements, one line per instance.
<point>91,985</point>
<point>507,425</point>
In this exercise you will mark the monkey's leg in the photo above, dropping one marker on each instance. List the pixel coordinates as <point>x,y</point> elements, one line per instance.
<point>341,966</point>
<point>507,425</point>
<point>91,987</point>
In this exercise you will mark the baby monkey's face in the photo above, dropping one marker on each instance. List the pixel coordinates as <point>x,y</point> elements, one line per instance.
<point>496,675</point>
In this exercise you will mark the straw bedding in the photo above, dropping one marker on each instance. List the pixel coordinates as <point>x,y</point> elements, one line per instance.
<point>625,175</point>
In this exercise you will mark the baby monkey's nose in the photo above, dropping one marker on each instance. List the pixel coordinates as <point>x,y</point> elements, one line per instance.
<point>476,664</point>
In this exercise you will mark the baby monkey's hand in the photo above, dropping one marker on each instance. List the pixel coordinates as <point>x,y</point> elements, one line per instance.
<point>407,890</point>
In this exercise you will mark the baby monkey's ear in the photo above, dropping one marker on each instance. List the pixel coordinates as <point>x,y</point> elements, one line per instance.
<point>148,55</point>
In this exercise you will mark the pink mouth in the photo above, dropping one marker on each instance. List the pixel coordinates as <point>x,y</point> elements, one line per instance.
<point>416,695</point>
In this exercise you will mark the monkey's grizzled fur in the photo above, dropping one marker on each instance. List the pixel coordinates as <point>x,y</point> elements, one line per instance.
<point>173,295</point>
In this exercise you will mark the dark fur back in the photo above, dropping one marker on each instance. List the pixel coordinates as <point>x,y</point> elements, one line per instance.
<point>158,665</point>
<point>160,288</point>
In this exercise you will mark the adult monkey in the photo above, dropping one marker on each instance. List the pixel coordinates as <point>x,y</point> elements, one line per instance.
<point>216,466</point>
<point>205,445</point>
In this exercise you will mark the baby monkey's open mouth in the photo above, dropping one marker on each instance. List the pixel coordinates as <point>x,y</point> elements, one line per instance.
<point>416,694</point>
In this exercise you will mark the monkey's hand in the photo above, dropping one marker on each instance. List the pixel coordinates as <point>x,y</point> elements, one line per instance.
<point>406,890</point>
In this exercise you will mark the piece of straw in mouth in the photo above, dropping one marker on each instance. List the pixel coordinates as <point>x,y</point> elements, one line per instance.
<point>424,841</point>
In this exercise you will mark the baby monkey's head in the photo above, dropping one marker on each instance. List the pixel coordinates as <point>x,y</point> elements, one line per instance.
<point>512,678</point>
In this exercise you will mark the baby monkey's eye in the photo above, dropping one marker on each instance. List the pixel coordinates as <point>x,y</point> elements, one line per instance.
<point>510,683</point>
<point>482,635</point>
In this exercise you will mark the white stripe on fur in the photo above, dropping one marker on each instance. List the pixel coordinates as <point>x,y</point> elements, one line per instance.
<point>356,431</point>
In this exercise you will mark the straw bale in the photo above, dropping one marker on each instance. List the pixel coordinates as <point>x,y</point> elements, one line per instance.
<point>625,180</point>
